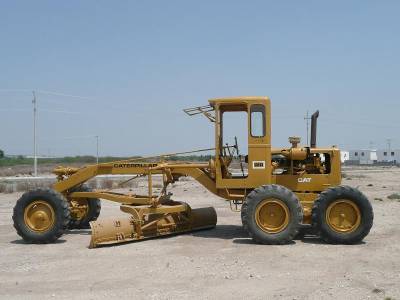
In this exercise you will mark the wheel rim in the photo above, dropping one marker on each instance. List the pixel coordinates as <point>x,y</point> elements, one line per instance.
<point>39,216</point>
<point>79,208</point>
<point>343,216</point>
<point>272,215</point>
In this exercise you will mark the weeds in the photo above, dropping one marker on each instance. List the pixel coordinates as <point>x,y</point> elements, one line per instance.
<point>359,176</point>
<point>12,186</point>
<point>24,185</point>
<point>394,196</point>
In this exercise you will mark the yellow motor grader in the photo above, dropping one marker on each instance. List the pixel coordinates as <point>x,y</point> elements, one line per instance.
<point>280,191</point>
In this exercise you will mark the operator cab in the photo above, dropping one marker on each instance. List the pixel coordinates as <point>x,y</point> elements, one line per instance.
<point>243,141</point>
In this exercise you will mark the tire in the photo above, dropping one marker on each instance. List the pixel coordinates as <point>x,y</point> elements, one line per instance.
<point>304,231</point>
<point>300,234</point>
<point>251,212</point>
<point>359,212</point>
<point>94,207</point>
<point>37,208</point>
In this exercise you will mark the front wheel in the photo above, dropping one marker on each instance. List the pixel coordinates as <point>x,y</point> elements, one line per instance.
<point>41,216</point>
<point>342,215</point>
<point>272,214</point>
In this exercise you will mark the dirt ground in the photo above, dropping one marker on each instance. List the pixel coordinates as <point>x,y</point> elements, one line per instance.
<point>220,263</point>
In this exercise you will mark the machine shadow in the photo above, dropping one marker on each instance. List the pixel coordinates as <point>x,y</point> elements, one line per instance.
<point>237,234</point>
<point>22,242</point>
<point>225,232</point>
<point>318,241</point>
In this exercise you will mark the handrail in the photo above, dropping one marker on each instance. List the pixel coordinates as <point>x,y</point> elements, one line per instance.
<point>205,110</point>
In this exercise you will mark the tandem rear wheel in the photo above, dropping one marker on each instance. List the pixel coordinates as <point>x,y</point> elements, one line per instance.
<point>272,214</point>
<point>342,215</point>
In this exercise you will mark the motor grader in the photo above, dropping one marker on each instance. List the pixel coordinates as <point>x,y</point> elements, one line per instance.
<point>281,192</point>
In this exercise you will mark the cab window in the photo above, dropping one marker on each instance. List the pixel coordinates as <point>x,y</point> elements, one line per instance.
<point>257,120</point>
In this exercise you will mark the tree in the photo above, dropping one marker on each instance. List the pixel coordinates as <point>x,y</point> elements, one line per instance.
<point>1,153</point>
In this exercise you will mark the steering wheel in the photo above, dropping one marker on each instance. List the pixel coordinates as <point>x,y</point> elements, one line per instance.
<point>239,156</point>
<point>227,159</point>
<point>236,146</point>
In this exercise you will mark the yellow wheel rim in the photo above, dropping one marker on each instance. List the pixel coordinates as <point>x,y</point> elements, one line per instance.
<point>272,215</point>
<point>39,216</point>
<point>343,216</point>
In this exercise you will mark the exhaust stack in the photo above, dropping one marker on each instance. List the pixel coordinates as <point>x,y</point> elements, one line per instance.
<point>313,139</point>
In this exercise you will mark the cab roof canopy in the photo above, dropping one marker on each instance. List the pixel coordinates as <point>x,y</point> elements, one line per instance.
<point>227,103</point>
<point>238,100</point>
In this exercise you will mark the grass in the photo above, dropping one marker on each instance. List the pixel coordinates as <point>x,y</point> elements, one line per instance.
<point>377,291</point>
<point>8,187</point>
<point>20,165</point>
<point>11,186</point>
<point>358,176</point>
<point>87,159</point>
<point>395,196</point>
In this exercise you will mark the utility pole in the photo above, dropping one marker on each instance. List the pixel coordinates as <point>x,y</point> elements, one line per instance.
<point>307,118</point>
<point>34,134</point>
<point>389,143</point>
<point>97,149</point>
<point>371,145</point>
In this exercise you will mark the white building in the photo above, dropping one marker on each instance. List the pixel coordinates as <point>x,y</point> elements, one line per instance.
<point>344,156</point>
<point>363,156</point>
<point>392,155</point>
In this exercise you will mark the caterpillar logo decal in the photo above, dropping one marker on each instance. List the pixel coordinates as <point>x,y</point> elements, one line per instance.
<point>126,165</point>
<point>259,164</point>
<point>304,180</point>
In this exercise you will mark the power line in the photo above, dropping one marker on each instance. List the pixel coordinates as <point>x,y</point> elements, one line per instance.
<point>16,90</point>
<point>47,93</point>
<point>16,110</point>
<point>42,110</point>
<point>362,124</point>
<point>70,137</point>
<point>97,137</point>
<point>61,111</point>
<point>64,95</point>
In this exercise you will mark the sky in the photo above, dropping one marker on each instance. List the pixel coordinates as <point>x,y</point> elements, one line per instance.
<point>132,66</point>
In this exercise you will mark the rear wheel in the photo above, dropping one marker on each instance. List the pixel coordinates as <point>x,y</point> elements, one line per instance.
<point>83,210</point>
<point>342,215</point>
<point>41,216</point>
<point>272,214</point>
